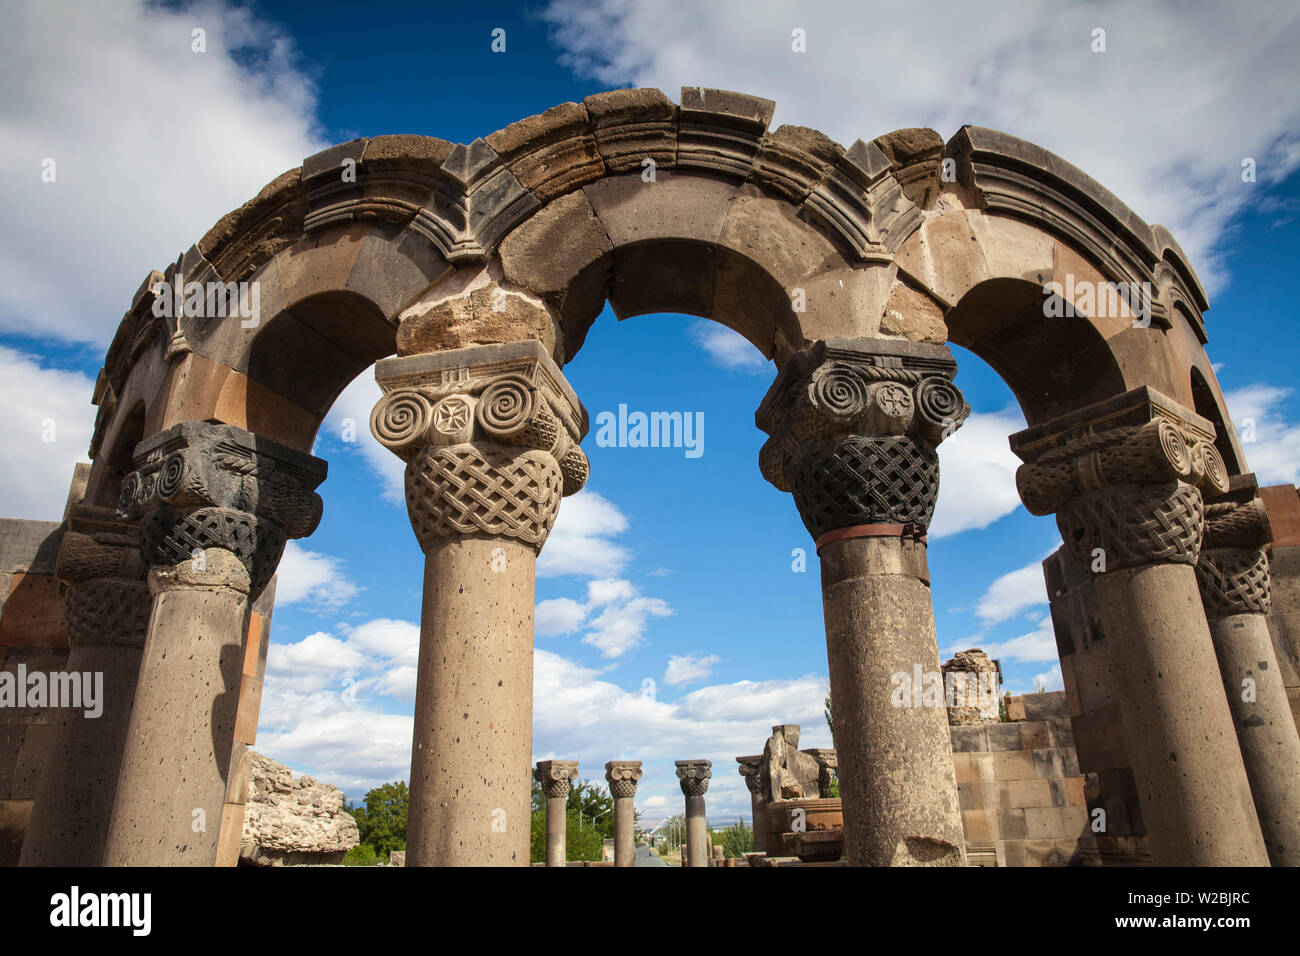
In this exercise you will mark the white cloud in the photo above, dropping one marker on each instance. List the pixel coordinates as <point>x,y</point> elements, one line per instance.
<point>398,641</point>
<point>311,576</point>
<point>138,180</point>
<point>977,473</point>
<point>558,616</point>
<point>621,626</point>
<point>314,662</point>
<point>618,628</point>
<point>1274,454</point>
<point>687,669</point>
<point>1012,593</point>
<point>1038,645</point>
<point>579,543</point>
<point>44,431</point>
<point>728,348</point>
<point>1224,76</point>
<point>343,715</point>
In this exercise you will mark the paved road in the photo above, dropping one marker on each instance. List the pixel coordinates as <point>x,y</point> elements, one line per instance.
<point>646,857</point>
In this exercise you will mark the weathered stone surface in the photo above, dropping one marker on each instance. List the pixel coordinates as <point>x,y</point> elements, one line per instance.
<point>973,680</point>
<point>563,254</point>
<point>487,315</point>
<point>291,820</point>
<point>786,773</point>
<point>914,154</point>
<point>551,153</point>
<point>631,126</point>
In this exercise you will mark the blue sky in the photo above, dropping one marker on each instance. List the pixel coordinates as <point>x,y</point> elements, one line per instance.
<point>671,621</point>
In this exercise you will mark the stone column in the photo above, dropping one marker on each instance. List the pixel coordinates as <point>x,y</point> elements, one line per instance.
<point>854,426</point>
<point>1123,477</point>
<point>490,437</point>
<point>827,763</point>
<point>556,778</point>
<point>106,607</point>
<point>622,776</point>
<point>1233,573</point>
<point>216,505</point>
<point>749,769</point>
<point>694,776</point>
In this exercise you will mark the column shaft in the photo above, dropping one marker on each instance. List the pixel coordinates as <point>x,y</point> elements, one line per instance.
<point>697,832</point>
<point>1196,800</point>
<point>74,799</point>
<point>472,744</point>
<point>759,825</point>
<point>172,785</point>
<point>624,845</point>
<point>1266,732</point>
<point>897,781</point>
<point>556,851</point>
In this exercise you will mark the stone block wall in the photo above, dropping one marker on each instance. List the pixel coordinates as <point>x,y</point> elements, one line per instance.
<point>1022,794</point>
<point>32,635</point>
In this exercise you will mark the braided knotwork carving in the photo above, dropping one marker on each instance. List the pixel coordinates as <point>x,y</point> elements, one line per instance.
<point>623,776</point>
<point>853,426</point>
<point>490,436</point>
<point>749,769</point>
<point>1234,581</point>
<point>556,777</point>
<point>864,480</point>
<point>1134,525</point>
<point>113,611</point>
<point>1124,477</point>
<point>169,537</point>
<point>694,776</point>
<point>202,485</point>
<point>483,489</point>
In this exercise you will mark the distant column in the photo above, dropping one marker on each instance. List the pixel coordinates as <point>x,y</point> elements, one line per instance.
<point>556,778</point>
<point>749,767</point>
<point>623,776</point>
<point>694,776</point>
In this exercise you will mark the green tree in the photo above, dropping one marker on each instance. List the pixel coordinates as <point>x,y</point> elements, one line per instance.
<point>589,821</point>
<point>382,819</point>
<point>735,840</point>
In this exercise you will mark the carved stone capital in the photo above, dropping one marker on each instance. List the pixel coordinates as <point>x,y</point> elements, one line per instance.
<point>623,776</point>
<point>1124,478</point>
<point>1233,569</point>
<point>490,435</point>
<point>827,763</point>
<point>105,599</point>
<point>201,485</point>
<point>749,769</point>
<point>853,426</point>
<point>694,776</point>
<point>556,777</point>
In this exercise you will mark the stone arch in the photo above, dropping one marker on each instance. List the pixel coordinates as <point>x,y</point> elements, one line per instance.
<point>482,266</point>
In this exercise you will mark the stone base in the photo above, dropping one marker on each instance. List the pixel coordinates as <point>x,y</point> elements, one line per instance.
<point>251,855</point>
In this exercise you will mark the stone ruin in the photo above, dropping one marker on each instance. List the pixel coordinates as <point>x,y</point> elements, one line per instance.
<point>292,821</point>
<point>469,275</point>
